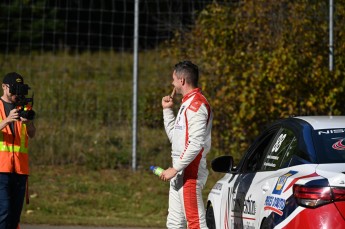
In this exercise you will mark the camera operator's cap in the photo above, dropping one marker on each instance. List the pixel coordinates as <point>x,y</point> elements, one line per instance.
<point>13,78</point>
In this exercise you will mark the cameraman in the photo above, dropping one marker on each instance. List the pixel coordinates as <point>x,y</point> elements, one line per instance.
<point>14,161</point>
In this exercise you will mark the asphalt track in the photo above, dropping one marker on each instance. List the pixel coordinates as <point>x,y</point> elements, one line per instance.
<point>24,226</point>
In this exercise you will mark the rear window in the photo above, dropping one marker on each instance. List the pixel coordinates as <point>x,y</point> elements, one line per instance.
<point>330,145</point>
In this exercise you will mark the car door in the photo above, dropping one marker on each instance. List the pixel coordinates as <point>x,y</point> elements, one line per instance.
<point>262,174</point>
<point>240,207</point>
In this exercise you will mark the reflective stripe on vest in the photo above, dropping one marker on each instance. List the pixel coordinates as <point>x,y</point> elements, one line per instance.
<point>13,150</point>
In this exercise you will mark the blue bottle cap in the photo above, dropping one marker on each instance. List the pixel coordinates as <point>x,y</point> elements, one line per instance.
<point>152,167</point>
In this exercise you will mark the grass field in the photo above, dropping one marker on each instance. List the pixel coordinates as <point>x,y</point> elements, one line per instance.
<point>75,195</point>
<point>81,154</point>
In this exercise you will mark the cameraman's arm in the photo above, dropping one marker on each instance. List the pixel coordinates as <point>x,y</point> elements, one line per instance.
<point>12,117</point>
<point>30,128</point>
<point>3,124</point>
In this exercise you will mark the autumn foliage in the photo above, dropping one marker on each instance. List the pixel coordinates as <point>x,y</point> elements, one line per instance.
<point>265,60</point>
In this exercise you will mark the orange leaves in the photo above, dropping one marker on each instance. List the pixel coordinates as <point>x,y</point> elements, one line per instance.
<point>263,60</point>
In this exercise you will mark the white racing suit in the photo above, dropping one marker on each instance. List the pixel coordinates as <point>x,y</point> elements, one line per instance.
<point>190,135</point>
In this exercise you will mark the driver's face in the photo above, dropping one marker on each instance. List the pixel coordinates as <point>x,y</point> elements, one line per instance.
<point>177,83</point>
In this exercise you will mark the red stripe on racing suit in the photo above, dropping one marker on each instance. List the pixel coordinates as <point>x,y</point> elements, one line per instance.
<point>190,135</point>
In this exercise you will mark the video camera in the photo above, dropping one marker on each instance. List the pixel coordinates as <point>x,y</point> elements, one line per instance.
<point>23,104</point>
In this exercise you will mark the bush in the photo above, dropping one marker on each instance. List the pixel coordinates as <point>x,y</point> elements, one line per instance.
<point>264,60</point>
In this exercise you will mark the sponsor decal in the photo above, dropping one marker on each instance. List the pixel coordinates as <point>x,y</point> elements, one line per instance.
<point>248,226</point>
<point>273,157</point>
<point>243,206</point>
<point>240,224</point>
<point>275,204</point>
<point>181,109</point>
<point>339,145</point>
<point>270,164</point>
<point>239,206</point>
<point>335,131</point>
<point>194,106</point>
<point>178,125</point>
<point>281,182</point>
<point>218,186</point>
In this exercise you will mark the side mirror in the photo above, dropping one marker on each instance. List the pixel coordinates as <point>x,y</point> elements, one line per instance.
<point>222,164</point>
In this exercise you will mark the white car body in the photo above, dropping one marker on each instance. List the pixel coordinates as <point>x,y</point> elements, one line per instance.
<point>274,183</point>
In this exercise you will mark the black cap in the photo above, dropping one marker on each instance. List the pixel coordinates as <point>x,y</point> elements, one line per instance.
<point>13,78</point>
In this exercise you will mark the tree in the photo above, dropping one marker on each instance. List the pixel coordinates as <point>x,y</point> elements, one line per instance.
<point>264,60</point>
<point>27,25</point>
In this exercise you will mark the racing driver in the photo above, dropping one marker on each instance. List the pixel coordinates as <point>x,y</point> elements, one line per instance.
<point>190,136</point>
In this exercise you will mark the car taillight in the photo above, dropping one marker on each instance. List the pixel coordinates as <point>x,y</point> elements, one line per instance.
<point>338,194</point>
<point>313,197</point>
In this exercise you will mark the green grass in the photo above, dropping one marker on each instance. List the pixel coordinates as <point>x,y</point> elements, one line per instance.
<point>83,105</point>
<point>75,195</point>
<point>81,154</point>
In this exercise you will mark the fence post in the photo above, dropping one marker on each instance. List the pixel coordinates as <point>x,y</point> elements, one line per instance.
<point>135,85</point>
<point>331,51</point>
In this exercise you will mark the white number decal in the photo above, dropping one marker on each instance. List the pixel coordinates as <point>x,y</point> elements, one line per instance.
<point>278,143</point>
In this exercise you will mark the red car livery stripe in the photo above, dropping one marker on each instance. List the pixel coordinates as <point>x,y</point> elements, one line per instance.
<point>298,178</point>
<point>279,212</point>
<point>326,216</point>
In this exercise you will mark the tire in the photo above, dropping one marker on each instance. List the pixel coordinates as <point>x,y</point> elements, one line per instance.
<point>265,224</point>
<point>211,224</point>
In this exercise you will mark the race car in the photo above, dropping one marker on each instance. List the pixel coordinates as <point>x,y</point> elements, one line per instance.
<point>292,176</point>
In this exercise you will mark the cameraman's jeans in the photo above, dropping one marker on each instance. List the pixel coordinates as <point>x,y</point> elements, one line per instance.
<point>12,192</point>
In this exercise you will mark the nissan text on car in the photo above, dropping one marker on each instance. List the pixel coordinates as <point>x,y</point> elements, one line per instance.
<point>292,176</point>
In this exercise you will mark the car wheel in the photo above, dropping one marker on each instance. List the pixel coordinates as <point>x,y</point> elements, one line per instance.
<point>211,224</point>
<point>265,224</point>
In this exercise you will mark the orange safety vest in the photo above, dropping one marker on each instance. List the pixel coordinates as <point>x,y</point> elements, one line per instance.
<point>13,149</point>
